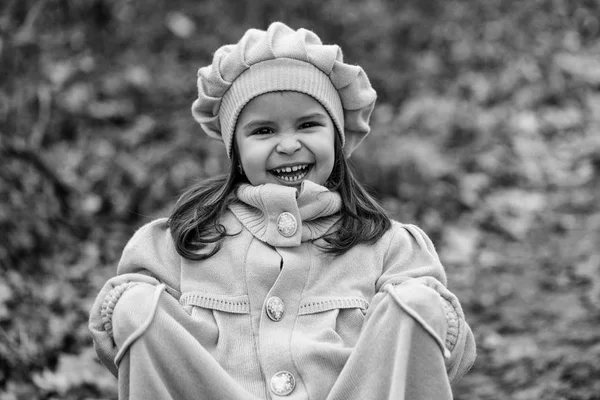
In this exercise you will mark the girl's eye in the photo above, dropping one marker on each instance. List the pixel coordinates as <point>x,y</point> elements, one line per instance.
<point>310,124</point>
<point>262,131</point>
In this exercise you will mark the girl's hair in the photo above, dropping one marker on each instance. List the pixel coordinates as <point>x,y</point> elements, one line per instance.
<point>197,233</point>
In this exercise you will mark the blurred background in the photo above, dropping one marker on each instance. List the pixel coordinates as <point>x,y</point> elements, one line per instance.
<point>486,134</point>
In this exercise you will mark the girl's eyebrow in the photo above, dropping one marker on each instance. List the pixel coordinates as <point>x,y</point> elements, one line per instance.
<point>316,114</point>
<point>256,123</point>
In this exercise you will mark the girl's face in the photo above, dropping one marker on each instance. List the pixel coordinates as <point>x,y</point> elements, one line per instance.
<point>285,138</point>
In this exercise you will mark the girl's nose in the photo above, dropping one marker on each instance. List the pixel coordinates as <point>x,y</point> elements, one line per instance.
<point>289,144</point>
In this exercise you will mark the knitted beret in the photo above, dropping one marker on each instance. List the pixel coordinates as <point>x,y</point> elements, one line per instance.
<point>281,59</point>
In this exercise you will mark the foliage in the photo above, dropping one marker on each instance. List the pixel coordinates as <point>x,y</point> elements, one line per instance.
<point>485,134</point>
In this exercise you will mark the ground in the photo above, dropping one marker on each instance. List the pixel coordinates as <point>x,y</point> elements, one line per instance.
<point>485,134</point>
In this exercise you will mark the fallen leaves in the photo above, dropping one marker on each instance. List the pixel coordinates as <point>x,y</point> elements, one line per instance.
<point>6,294</point>
<point>180,24</point>
<point>485,134</point>
<point>76,370</point>
<point>515,211</point>
<point>583,67</point>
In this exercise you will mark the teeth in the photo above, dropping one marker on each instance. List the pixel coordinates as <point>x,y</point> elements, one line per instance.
<point>300,169</point>
<point>290,169</point>
<point>292,179</point>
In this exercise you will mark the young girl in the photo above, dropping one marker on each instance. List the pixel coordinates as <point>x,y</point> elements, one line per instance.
<point>283,278</point>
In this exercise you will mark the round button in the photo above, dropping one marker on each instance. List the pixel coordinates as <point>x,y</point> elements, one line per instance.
<point>286,224</point>
<point>275,308</point>
<point>283,383</point>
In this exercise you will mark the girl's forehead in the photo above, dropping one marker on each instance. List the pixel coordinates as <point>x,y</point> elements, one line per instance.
<point>283,101</point>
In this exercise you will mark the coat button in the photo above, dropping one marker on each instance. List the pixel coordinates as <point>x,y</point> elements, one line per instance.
<point>283,383</point>
<point>275,308</point>
<point>287,224</point>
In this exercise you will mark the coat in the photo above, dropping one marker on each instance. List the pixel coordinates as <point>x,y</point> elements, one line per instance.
<point>271,310</point>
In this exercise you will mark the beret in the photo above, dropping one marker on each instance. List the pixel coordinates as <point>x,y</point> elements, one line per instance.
<point>281,59</point>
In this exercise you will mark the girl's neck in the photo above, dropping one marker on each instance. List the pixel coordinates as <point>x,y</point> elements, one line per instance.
<point>309,213</point>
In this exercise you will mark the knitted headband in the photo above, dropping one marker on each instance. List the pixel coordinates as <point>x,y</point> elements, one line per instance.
<point>281,59</point>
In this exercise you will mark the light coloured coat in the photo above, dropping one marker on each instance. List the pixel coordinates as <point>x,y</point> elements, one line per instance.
<point>325,297</point>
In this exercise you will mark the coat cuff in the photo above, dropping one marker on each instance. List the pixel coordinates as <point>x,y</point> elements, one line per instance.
<point>424,305</point>
<point>108,305</point>
<point>453,310</point>
<point>458,340</point>
<point>452,322</point>
<point>104,343</point>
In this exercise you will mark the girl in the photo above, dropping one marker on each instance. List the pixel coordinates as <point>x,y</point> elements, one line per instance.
<point>283,278</point>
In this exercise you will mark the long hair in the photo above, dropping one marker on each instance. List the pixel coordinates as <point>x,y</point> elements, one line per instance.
<point>194,222</point>
<point>198,234</point>
<point>363,219</point>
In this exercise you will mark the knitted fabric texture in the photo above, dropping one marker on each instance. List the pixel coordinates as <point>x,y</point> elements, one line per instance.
<point>282,59</point>
<point>314,209</point>
<point>108,305</point>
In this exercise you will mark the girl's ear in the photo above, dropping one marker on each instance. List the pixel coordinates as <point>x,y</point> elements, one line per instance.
<point>339,165</point>
<point>236,169</point>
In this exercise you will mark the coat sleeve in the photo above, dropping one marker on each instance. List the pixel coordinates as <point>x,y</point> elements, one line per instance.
<point>149,258</point>
<point>410,263</point>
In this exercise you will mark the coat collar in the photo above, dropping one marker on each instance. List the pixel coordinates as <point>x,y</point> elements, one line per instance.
<point>282,216</point>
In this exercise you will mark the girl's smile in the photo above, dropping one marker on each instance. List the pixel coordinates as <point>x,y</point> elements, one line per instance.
<point>291,174</point>
<point>285,138</point>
